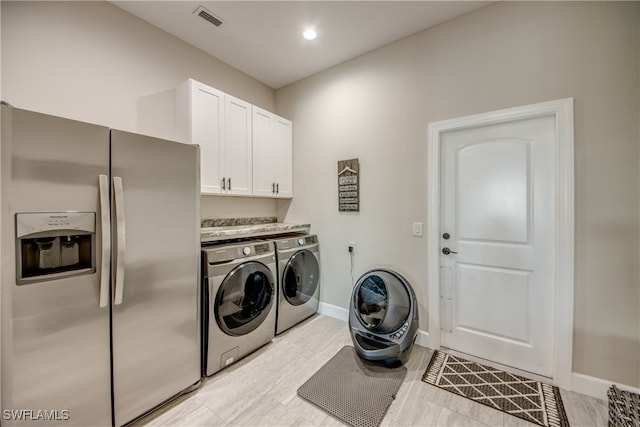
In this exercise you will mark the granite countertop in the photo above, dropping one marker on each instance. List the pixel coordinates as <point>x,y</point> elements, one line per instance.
<point>215,230</point>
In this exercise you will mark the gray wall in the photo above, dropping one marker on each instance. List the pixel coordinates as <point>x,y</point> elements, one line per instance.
<point>91,61</point>
<point>377,108</point>
<point>94,62</point>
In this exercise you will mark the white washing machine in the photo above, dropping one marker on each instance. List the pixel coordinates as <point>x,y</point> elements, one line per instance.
<point>238,303</point>
<point>298,279</point>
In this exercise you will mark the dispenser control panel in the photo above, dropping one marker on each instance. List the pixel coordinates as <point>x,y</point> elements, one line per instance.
<point>50,222</point>
<point>54,245</point>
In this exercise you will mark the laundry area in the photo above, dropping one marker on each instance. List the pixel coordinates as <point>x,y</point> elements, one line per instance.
<point>270,396</point>
<point>308,213</point>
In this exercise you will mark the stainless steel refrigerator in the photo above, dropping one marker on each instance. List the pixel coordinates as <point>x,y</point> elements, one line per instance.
<point>100,263</point>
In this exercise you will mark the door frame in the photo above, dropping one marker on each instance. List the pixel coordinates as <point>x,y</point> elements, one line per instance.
<point>562,111</point>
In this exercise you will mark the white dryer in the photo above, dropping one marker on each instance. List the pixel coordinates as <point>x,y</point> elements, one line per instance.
<point>298,279</point>
<point>238,302</point>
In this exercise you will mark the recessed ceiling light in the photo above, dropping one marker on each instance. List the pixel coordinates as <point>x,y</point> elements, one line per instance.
<point>309,34</point>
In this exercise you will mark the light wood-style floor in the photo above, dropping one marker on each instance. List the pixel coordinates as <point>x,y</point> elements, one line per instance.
<point>260,390</point>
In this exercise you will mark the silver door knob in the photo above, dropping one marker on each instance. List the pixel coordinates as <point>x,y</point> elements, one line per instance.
<point>448,251</point>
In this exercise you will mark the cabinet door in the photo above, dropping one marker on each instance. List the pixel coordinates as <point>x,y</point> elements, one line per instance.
<point>263,153</point>
<point>200,120</point>
<point>283,156</point>
<point>238,146</point>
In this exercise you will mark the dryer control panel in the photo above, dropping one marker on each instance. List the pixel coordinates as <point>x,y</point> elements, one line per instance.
<point>296,242</point>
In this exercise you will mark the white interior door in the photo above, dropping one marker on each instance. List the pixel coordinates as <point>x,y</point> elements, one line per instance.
<point>497,260</point>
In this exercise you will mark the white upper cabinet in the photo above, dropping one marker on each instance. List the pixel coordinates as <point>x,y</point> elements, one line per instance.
<point>263,179</point>
<point>272,155</point>
<point>221,125</point>
<point>244,150</point>
<point>200,120</point>
<point>283,149</point>
<point>237,129</point>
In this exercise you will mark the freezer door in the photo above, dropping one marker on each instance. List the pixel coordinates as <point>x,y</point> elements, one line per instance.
<point>55,335</point>
<point>156,333</point>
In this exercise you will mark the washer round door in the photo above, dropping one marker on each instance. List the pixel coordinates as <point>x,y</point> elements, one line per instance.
<point>244,298</point>
<point>382,302</point>
<point>300,277</point>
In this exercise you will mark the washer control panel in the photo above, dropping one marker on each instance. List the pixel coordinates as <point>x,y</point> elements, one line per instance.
<point>221,254</point>
<point>263,248</point>
<point>257,249</point>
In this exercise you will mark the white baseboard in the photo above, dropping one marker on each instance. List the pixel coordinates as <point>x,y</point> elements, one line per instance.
<point>423,340</point>
<point>596,387</point>
<point>333,311</point>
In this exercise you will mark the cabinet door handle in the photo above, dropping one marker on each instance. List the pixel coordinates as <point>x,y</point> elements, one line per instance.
<point>278,188</point>
<point>273,187</point>
<point>229,183</point>
<point>224,187</point>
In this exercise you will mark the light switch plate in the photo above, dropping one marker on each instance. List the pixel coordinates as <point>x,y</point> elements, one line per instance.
<point>417,229</point>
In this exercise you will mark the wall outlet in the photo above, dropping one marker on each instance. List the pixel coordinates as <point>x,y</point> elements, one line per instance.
<point>351,247</point>
<point>417,229</point>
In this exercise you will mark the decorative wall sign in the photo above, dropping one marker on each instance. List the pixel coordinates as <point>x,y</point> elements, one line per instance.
<point>348,185</point>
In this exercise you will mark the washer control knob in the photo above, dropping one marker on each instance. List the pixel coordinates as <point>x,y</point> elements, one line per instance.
<point>300,242</point>
<point>246,250</point>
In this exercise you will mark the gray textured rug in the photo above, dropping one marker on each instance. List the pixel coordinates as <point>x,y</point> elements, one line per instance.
<point>354,391</point>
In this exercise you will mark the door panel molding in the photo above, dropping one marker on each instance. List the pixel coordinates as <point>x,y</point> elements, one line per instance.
<point>562,112</point>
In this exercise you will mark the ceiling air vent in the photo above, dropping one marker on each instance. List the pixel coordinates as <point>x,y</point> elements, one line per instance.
<point>207,15</point>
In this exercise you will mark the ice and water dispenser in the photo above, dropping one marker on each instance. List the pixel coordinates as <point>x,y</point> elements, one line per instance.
<point>52,245</point>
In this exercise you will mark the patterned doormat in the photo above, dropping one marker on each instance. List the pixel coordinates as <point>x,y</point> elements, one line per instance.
<point>530,400</point>
<point>354,391</point>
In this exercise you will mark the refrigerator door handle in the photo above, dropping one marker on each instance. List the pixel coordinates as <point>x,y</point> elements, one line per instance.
<point>105,225</point>
<point>120,233</point>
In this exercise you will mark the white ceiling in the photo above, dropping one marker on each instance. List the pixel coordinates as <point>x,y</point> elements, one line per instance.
<point>264,38</point>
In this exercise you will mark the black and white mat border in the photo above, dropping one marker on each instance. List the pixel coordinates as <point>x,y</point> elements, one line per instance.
<point>554,412</point>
